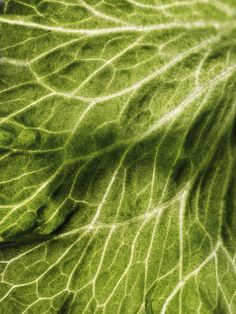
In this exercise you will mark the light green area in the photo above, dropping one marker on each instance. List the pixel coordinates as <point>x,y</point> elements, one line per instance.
<point>117,157</point>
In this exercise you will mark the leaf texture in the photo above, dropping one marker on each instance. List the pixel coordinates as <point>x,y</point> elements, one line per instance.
<point>117,156</point>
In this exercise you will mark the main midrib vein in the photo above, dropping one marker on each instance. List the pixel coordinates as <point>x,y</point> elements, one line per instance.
<point>133,28</point>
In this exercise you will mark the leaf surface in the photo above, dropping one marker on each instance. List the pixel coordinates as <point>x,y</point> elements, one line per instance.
<point>117,156</point>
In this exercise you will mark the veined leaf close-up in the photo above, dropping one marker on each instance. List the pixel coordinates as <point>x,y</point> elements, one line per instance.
<point>117,156</point>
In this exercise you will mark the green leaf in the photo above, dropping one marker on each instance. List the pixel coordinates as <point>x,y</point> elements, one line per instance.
<point>117,156</point>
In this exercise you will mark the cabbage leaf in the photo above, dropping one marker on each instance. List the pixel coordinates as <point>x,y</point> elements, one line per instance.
<point>117,156</point>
